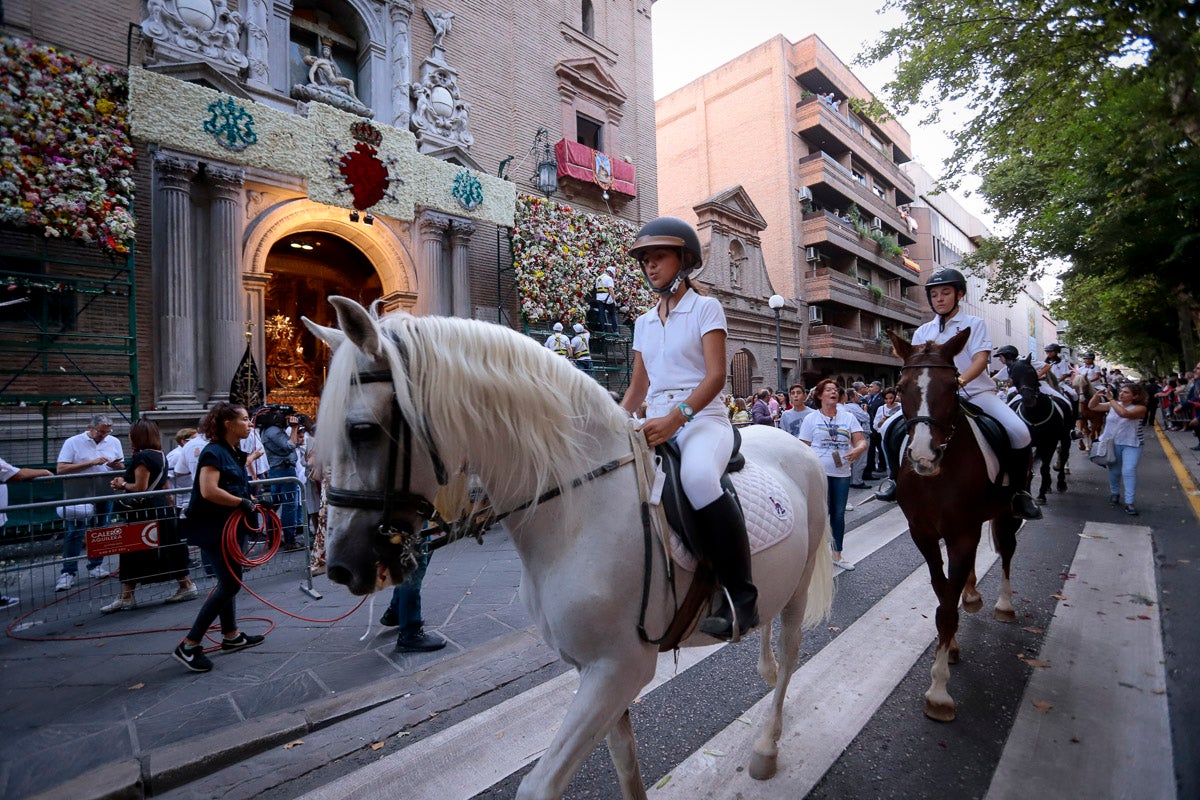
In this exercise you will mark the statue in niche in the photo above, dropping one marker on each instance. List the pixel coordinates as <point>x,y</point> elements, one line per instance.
<point>326,84</point>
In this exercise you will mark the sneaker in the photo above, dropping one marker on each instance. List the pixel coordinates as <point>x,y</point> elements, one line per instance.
<point>1131,510</point>
<point>844,564</point>
<point>8,602</point>
<point>390,618</point>
<point>65,581</point>
<point>99,572</point>
<point>241,642</point>
<point>849,506</point>
<point>120,604</point>
<point>189,593</point>
<point>419,642</point>
<point>192,657</point>
<point>293,547</point>
<point>1115,499</point>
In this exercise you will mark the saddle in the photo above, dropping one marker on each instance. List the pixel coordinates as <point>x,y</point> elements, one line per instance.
<point>993,433</point>
<point>679,512</point>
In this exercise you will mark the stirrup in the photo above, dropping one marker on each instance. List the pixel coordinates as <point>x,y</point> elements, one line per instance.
<point>1024,506</point>
<point>887,491</point>
<point>728,630</point>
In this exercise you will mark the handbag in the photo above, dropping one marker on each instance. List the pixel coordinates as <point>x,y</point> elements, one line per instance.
<point>1102,453</point>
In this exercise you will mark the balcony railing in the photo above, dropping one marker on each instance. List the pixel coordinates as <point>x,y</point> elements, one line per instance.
<point>823,226</point>
<point>884,162</point>
<point>823,284</point>
<point>829,171</point>
<point>830,341</point>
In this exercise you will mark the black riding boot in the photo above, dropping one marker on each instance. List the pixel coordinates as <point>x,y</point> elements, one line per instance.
<point>1019,463</point>
<point>722,531</point>
<point>887,487</point>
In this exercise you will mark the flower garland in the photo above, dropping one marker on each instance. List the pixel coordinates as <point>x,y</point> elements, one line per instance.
<point>558,253</point>
<point>66,159</point>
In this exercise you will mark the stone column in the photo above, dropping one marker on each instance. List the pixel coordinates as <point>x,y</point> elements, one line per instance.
<point>174,281</point>
<point>400,14</point>
<point>279,31</point>
<point>226,306</point>
<point>257,44</point>
<point>460,272</point>
<point>433,297</point>
<point>255,286</point>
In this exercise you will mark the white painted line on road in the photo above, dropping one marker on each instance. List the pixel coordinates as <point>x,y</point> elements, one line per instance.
<point>871,536</point>
<point>1103,643</point>
<point>830,699</point>
<point>464,760</point>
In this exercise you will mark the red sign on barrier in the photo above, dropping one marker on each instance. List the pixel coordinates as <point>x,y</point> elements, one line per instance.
<point>125,538</point>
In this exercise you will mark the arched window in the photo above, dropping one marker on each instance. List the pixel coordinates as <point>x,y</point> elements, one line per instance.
<point>588,22</point>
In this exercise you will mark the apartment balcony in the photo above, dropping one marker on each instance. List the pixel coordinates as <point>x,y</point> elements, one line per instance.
<point>835,132</point>
<point>824,285</point>
<point>823,228</point>
<point>821,169</point>
<point>829,341</point>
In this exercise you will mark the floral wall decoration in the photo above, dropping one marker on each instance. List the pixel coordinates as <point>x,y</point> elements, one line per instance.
<point>66,159</point>
<point>559,252</point>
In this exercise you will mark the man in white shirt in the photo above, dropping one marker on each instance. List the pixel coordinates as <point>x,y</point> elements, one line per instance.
<point>93,451</point>
<point>558,342</point>
<point>8,473</point>
<point>580,348</point>
<point>944,290</point>
<point>604,302</point>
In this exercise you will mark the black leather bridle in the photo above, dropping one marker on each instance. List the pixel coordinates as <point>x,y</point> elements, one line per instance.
<point>912,422</point>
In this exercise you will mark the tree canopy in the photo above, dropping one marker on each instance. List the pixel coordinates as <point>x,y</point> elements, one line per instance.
<point>1084,127</point>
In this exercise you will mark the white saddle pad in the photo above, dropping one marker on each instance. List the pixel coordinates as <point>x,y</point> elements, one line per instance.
<point>768,510</point>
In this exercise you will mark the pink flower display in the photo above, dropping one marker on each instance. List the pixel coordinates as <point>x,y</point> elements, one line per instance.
<point>558,253</point>
<point>66,158</point>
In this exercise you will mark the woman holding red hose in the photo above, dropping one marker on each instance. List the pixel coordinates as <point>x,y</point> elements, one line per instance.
<point>221,490</point>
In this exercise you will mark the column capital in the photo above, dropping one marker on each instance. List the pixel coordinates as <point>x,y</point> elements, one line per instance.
<point>227,182</point>
<point>401,9</point>
<point>460,230</point>
<point>433,225</point>
<point>175,171</point>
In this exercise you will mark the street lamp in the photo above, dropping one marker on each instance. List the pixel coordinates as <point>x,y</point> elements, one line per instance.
<point>776,302</point>
<point>546,178</point>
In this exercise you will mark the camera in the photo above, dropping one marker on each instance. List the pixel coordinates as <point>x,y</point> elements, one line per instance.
<point>274,416</point>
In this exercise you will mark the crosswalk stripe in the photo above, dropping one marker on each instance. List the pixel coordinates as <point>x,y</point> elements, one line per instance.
<point>830,699</point>
<point>1103,643</point>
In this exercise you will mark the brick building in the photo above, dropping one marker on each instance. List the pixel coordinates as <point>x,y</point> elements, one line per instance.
<point>243,228</point>
<point>825,178</point>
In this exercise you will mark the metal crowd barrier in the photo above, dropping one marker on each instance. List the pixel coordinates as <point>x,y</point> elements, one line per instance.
<point>32,548</point>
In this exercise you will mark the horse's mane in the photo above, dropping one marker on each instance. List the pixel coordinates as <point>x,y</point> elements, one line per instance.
<point>474,389</point>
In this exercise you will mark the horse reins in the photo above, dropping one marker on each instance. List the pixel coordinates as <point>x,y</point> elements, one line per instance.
<point>912,422</point>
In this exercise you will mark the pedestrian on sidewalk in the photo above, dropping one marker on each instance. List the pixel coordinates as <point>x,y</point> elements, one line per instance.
<point>838,440</point>
<point>404,613</point>
<point>1123,430</point>
<point>9,473</point>
<point>221,489</point>
<point>93,451</point>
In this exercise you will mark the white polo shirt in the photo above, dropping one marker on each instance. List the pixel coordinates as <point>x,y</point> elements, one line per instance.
<point>978,341</point>
<point>7,471</point>
<point>673,354</point>
<point>82,447</point>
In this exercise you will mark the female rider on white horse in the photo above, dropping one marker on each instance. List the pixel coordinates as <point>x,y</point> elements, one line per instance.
<point>944,290</point>
<point>678,369</point>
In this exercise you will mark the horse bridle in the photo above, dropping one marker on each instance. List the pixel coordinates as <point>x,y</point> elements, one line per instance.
<point>389,500</point>
<point>912,422</point>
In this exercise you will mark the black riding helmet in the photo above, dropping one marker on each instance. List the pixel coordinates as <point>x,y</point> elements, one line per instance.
<point>946,276</point>
<point>1089,354</point>
<point>1053,347</point>
<point>670,232</point>
<point>1009,352</point>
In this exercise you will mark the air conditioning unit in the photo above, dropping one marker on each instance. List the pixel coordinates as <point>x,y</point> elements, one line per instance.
<point>804,194</point>
<point>812,254</point>
<point>876,224</point>
<point>816,315</point>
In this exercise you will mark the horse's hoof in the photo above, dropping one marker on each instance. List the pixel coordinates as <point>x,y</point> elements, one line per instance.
<point>972,606</point>
<point>763,767</point>
<point>1005,615</point>
<point>939,712</point>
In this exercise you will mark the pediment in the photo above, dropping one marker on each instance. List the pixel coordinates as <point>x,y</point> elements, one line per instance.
<point>735,206</point>
<point>204,74</point>
<point>590,76</point>
<point>454,154</point>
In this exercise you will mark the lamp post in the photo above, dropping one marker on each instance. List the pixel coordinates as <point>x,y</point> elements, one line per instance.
<point>776,302</point>
<point>546,178</point>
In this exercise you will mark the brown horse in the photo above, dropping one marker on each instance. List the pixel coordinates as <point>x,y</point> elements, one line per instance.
<point>945,492</point>
<point>1091,421</point>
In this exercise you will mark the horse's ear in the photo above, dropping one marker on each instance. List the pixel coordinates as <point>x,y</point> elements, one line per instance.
<point>900,346</point>
<point>330,336</point>
<point>955,343</point>
<point>357,325</point>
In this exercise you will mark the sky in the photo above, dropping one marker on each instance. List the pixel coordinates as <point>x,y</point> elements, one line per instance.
<point>694,37</point>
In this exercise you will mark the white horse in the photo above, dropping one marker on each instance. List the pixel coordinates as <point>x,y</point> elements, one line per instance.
<point>406,395</point>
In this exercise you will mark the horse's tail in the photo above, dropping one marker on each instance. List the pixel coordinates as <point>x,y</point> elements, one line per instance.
<point>819,600</point>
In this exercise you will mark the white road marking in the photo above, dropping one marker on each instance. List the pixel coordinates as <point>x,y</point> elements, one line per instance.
<point>830,699</point>
<point>871,536</point>
<point>1098,647</point>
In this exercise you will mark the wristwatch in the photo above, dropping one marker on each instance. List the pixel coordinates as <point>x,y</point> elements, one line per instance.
<point>687,411</point>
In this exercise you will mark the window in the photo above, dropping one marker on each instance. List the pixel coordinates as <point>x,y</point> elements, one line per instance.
<point>588,24</point>
<point>589,132</point>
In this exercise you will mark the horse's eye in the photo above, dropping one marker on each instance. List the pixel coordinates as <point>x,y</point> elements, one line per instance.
<point>364,432</point>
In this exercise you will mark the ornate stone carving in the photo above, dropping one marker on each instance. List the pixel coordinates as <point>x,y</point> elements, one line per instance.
<point>225,181</point>
<point>174,171</point>
<point>326,84</point>
<point>400,12</point>
<point>184,30</point>
<point>440,118</point>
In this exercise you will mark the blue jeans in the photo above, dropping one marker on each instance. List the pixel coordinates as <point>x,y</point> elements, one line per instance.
<point>74,538</point>
<point>1124,470</point>
<point>406,599</point>
<point>286,497</point>
<point>839,493</point>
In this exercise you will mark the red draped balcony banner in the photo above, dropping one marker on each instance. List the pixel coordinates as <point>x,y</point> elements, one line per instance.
<point>914,266</point>
<point>578,161</point>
